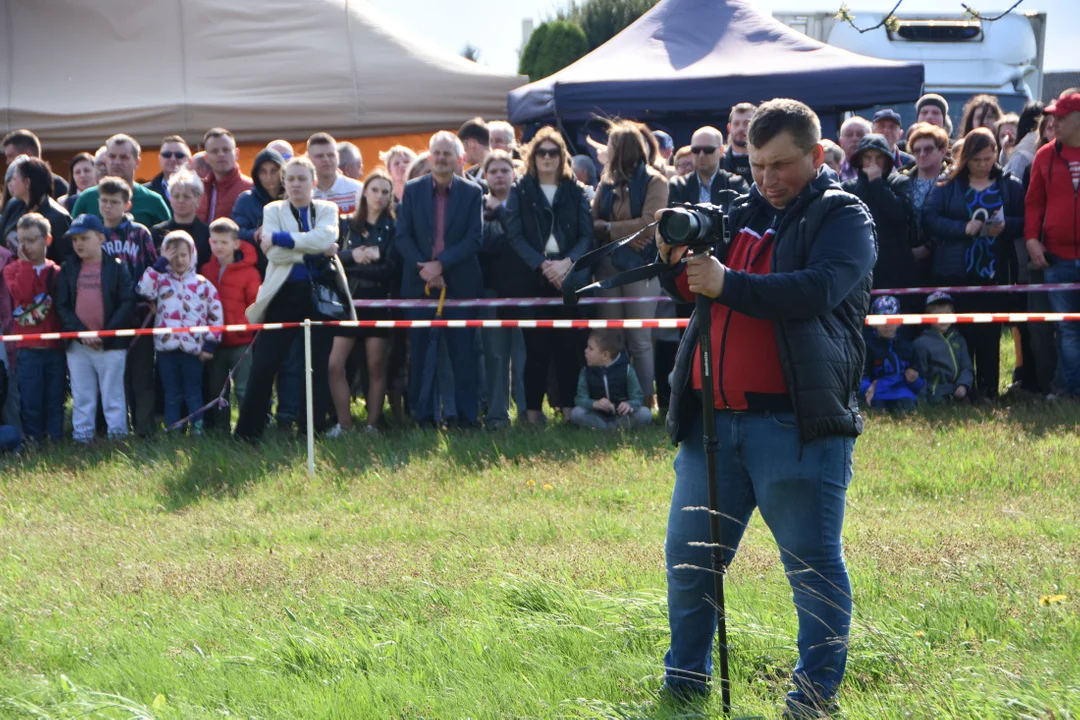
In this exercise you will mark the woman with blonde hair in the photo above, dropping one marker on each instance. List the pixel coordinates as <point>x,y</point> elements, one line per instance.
<point>299,237</point>
<point>397,160</point>
<point>630,193</point>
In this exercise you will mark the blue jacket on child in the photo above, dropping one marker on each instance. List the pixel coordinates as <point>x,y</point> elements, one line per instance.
<point>886,361</point>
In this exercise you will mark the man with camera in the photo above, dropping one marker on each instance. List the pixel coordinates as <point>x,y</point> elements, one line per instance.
<point>790,294</point>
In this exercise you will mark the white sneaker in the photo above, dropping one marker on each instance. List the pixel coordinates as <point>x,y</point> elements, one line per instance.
<point>371,430</point>
<point>336,432</point>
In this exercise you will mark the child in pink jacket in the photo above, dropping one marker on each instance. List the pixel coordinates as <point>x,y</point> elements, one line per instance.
<point>183,298</point>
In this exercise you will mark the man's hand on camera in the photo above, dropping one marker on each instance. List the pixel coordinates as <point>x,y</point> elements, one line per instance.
<point>705,275</point>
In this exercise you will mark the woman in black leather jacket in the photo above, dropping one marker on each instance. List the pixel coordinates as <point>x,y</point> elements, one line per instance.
<point>549,226</point>
<point>972,218</point>
<point>371,268</point>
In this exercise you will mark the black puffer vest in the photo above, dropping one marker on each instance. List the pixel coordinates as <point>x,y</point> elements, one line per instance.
<point>610,381</point>
<point>822,357</point>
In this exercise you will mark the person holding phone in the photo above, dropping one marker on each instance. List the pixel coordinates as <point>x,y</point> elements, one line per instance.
<point>972,218</point>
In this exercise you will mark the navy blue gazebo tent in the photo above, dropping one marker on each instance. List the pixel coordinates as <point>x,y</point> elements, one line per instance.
<point>685,62</point>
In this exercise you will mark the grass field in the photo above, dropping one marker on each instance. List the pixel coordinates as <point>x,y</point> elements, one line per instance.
<point>520,574</point>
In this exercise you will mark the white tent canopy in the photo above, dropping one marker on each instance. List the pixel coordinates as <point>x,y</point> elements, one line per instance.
<point>80,70</point>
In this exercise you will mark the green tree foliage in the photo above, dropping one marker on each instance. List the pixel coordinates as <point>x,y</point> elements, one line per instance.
<point>551,47</point>
<point>604,19</point>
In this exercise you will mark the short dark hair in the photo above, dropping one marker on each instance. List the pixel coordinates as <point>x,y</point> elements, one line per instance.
<point>24,140</point>
<point>217,132</point>
<point>475,129</point>
<point>741,107</point>
<point>226,225</point>
<point>1029,119</point>
<point>785,115</point>
<point>114,186</point>
<point>608,341</point>
<point>322,138</point>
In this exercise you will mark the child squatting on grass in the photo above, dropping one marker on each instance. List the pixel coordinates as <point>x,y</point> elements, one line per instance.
<point>183,299</point>
<point>941,356</point>
<point>890,380</point>
<point>609,394</point>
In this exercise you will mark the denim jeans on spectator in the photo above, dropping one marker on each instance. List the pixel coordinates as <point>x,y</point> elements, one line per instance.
<point>800,490</point>
<point>42,390</point>
<point>290,383</point>
<point>10,439</point>
<point>1062,301</point>
<point>503,369</point>
<point>11,410</point>
<point>181,375</point>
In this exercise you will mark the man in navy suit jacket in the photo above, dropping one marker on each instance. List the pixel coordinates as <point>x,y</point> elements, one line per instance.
<point>439,233</point>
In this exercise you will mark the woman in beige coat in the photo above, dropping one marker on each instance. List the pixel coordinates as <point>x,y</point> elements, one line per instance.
<point>299,237</point>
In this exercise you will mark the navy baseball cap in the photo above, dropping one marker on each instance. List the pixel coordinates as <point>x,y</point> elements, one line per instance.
<point>885,305</point>
<point>85,223</point>
<point>663,140</point>
<point>938,297</point>
<point>888,114</point>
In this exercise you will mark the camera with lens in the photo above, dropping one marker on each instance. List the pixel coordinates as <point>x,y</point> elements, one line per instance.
<point>699,227</point>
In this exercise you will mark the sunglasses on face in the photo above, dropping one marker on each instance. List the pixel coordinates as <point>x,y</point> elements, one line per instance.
<point>924,150</point>
<point>169,154</point>
<point>548,152</point>
<point>707,149</point>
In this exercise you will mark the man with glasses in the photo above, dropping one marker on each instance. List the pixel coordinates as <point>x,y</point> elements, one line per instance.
<point>709,183</point>
<point>174,154</point>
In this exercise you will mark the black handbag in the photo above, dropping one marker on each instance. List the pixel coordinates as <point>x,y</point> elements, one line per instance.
<point>325,297</point>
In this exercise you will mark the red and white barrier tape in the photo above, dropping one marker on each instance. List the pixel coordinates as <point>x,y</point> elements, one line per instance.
<point>557,302</point>
<point>665,323</point>
<point>1034,287</point>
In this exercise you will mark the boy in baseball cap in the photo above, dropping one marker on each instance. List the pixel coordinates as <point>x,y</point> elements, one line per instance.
<point>890,380</point>
<point>941,355</point>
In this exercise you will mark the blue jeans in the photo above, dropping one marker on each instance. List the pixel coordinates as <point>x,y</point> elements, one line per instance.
<point>1061,301</point>
<point>800,491</point>
<point>181,378</point>
<point>42,392</point>
<point>504,357</point>
<point>290,382</point>
<point>10,439</point>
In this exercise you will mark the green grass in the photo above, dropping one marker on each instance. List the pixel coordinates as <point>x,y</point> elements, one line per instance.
<point>519,574</point>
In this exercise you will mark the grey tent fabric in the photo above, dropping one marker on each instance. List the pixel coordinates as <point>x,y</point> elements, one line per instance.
<point>80,70</point>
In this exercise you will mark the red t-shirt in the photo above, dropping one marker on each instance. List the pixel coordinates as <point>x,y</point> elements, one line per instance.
<point>744,348</point>
<point>89,302</point>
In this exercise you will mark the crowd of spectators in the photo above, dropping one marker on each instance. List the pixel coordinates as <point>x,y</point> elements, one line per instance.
<point>476,215</point>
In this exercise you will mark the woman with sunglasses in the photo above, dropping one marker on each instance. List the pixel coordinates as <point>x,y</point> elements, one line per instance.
<point>549,227</point>
<point>629,195</point>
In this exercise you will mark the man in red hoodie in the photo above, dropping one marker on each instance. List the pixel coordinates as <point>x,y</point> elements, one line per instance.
<point>225,183</point>
<point>1052,225</point>
<point>31,280</point>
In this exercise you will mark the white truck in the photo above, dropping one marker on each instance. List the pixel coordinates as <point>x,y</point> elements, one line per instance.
<point>963,56</point>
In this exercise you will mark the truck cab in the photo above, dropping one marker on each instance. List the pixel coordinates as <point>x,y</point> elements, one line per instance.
<point>962,55</point>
